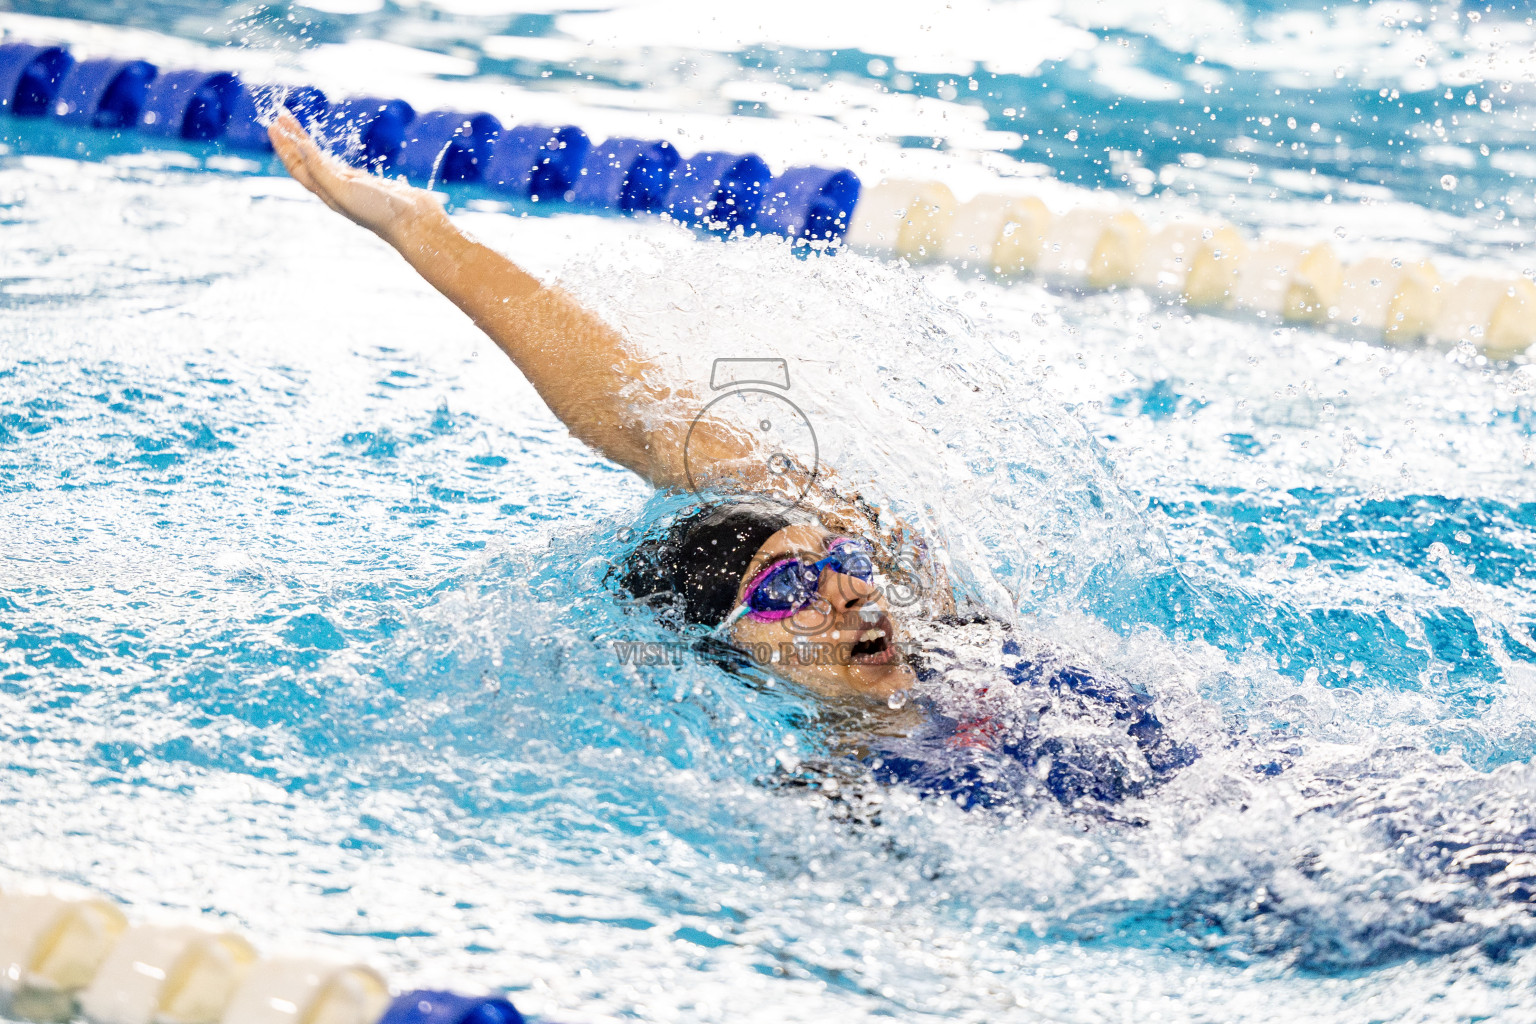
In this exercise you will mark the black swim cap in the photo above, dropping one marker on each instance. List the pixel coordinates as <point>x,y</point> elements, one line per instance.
<point>703,555</point>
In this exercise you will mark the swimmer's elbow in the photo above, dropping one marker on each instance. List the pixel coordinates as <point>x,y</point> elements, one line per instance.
<point>619,441</point>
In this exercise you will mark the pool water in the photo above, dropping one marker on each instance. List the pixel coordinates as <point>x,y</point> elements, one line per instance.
<point>302,600</point>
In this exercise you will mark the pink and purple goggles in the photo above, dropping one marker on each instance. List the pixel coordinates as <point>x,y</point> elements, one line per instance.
<point>789,585</point>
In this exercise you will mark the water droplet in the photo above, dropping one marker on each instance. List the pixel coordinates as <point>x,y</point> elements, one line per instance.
<point>897,700</point>
<point>1448,182</point>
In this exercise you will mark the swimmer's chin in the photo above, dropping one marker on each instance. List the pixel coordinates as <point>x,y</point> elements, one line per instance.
<point>859,683</point>
<point>890,684</point>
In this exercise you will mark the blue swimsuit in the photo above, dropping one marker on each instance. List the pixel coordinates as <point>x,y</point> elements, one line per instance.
<point>989,763</point>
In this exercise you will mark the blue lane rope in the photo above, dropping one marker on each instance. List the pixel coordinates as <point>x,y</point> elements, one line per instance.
<point>192,105</point>
<point>626,175</point>
<point>374,129</point>
<point>538,163</point>
<point>245,129</point>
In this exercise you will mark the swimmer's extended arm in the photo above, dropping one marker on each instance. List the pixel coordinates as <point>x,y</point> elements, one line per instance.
<point>605,392</point>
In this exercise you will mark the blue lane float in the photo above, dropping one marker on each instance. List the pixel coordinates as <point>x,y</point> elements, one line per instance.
<point>30,76</point>
<point>192,105</point>
<point>537,162</point>
<point>252,105</point>
<point>104,93</point>
<point>626,175</point>
<point>723,192</point>
<point>426,1006</point>
<point>650,179</point>
<point>809,202</point>
<point>446,146</point>
<point>368,131</point>
<point>719,190</point>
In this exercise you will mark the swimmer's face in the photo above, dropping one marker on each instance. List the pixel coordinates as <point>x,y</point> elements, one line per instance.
<point>815,647</point>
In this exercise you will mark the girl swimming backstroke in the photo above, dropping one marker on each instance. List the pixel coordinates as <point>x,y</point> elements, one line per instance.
<point>776,560</point>
<point>1002,719</point>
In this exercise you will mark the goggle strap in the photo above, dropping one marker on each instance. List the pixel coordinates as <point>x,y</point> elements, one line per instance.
<point>733,618</point>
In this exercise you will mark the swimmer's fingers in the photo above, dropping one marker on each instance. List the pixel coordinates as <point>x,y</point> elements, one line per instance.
<point>374,202</point>
<point>285,133</point>
<point>308,164</point>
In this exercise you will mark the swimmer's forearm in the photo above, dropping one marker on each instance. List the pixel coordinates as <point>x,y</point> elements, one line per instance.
<point>578,364</point>
<point>473,276</point>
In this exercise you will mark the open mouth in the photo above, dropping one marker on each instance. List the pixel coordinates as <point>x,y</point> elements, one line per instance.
<point>874,646</point>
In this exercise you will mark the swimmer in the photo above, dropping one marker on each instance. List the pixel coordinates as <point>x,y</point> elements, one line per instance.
<point>807,580</point>
<point>750,571</point>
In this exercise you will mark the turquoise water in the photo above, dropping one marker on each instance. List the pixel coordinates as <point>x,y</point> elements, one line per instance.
<point>301,600</point>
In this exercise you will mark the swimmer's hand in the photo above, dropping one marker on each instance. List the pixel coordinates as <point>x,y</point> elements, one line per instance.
<point>387,207</point>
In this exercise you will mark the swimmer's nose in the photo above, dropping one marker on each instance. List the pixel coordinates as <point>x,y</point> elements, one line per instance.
<point>844,592</point>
